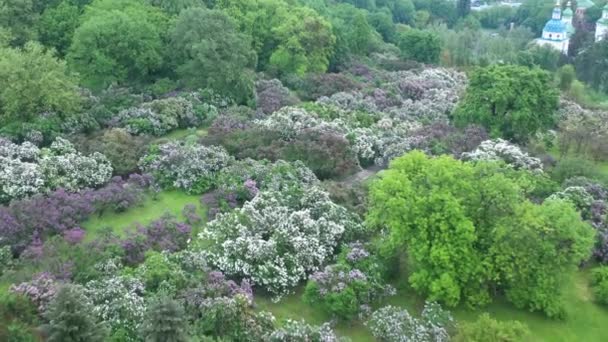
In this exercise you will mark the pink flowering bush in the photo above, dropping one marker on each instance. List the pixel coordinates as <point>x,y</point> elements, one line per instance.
<point>40,290</point>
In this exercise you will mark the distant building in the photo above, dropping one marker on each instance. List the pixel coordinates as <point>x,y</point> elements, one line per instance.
<point>581,8</point>
<point>557,31</point>
<point>601,27</point>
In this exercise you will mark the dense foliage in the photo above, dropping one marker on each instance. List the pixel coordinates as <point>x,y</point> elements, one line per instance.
<point>510,101</point>
<point>478,245</point>
<point>185,170</point>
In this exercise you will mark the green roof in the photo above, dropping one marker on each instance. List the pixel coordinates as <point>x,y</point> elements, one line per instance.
<point>584,4</point>
<point>567,12</point>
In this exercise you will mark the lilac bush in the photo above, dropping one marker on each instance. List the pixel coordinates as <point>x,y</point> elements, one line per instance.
<point>391,324</point>
<point>293,330</point>
<point>501,150</point>
<point>60,210</point>
<point>26,170</point>
<point>118,301</point>
<point>40,290</point>
<point>160,116</point>
<point>350,286</point>
<point>164,234</point>
<point>271,96</point>
<point>275,239</point>
<point>190,167</point>
<point>74,235</point>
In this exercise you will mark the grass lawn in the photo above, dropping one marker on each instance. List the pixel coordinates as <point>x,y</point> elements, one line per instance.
<point>586,321</point>
<point>150,209</point>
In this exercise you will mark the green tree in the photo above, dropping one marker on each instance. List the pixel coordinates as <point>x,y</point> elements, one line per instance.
<point>19,17</point>
<point>592,66</point>
<point>566,76</point>
<point>487,329</point>
<point>306,43</point>
<point>117,46</point>
<point>211,53</point>
<point>34,81</point>
<point>174,7</point>
<point>467,228</point>
<point>534,14</point>
<point>538,256</point>
<point>463,8</point>
<point>258,18</point>
<point>383,24</point>
<point>403,11</point>
<point>599,284</point>
<point>544,57</point>
<point>70,316</point>
<point>165,321</point>
<point>510,101</point>
<point>443,210</point>
<point>57,25</point>
<point>419,45</point>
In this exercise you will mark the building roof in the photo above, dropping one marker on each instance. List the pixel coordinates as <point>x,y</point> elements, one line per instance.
<point>555,26</point>
<point>567,12</point>
<point>584,4</point>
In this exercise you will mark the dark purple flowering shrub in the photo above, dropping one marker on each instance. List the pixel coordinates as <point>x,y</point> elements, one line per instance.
<point>74,235</point>
<point>271,96</point>
<point>164,234</point>
<point>42,216</point>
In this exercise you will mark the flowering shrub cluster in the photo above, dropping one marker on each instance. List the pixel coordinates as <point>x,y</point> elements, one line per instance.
<point>583,131</point>
<point>244,179</point>
<point>40,290</point>
<point>501,150</point>
<point>350,286</point>
<point>392,324</point>
<point>591,199</point>
<point>271,96</point>
<point>187,166</point>
<point>40,216</point>
<point>278,238</point>
<point>163,234</point>
<point>301,331</point>
<point>118,300</point>
<point>26,170</point>
<point>161,116</point>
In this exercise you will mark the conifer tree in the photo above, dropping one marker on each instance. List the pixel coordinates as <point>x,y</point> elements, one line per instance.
<point>165,321</point>
<point>71,318</point>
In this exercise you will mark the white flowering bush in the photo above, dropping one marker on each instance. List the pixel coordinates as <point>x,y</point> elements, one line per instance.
<point>187,166</point>
<point>64,167</point>
<point>289,121</point>
<point>301,331</point>
<point>26,170</point>
<point>578,196</point>
<point>160,116</point>
<point>501,150</point>
<point>277,239</point>
<point>392,324</point>
<point>118,301</point>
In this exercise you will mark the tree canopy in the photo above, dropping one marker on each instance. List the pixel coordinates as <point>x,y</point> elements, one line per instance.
<point>511,101</point>
<point>463,226</point>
